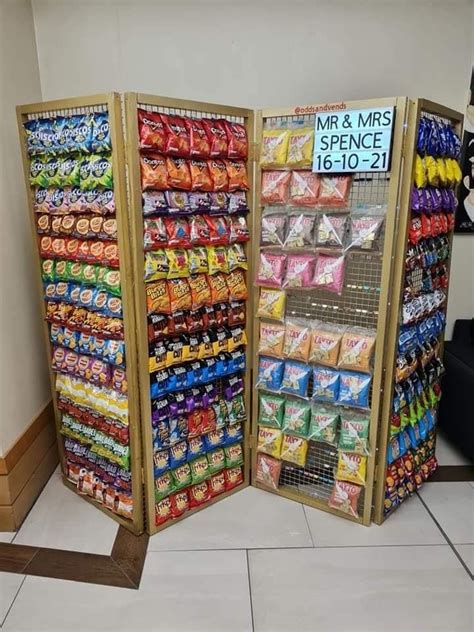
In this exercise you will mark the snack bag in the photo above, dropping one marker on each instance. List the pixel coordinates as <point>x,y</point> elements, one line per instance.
<point>163,511</point>
<point>179,176</point>
<point>200,291</point>
<point>297,340</point>
<point>100,137</point>
<point>177,140</point>
<point>236,258</point>
<point>325,344</point>
<point>334,191</point>
<point>357,349</point>
<point>217,259</point>
<point>304,188</point>
<point>177,263</point>
<point>270,373</point>
<point>234,455</point>
<point>238,229</point>
<point>268,470</point>
<point>299,270</point>
<point>300,147</point>
<point>237,172</point>
<point>272,408</point>
<point>197,260</point>
<point>300,230</point>
<point>273,228</point>
<point>354,389</point>
<point>274,147</point>
<point>157,298</point>
<point>354,435</point>
<point>237,288</point>
<point>325,384</point>
<point>296,378</point>
<point>233,477</point>
<point>151,131</point>
<point>153,172</point>
<point>271,269</point>
<point>216,484</point>
<point>38,176</point>
<point>216,134</point>
<point>180,503</point>
<point>296,417</point>
<point>345,498</point>
<point>323,424</point>
<point>271,304</point>
<point>100,172</point>
<point>177,202</point>
<point>331,230</point>
<point>237,144</point>
<point>200,176</point>
<point>275,187</point>
<point>269,441</point>
<point>216,460</point>
<point>219,288</point>
<point>294,449</point>
<point>272,336</point>
<point>179,295</point>
<point>365,230</point>
<point>154,233</point>
<point>329,273</point>
<point>351,467</point>
<point>219,176</point>
<point>199,146</point>
<point>218,230</point>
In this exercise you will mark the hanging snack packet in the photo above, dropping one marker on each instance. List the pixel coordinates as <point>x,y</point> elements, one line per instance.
<point>238,202</point>
<point>345,497</point>
<point>157,298</point>
<point>271,269</point>
<point>162,511</point>
<point>354,389</point>
<point>323,424</point>
<point>294,449</point>
<point>331,230</point>
<point>297,340</point>
<point>329,273</point>
<point>199,232</point>
<point>200,291</point>
<point>270,373</point>
<point>300,147</point>
<point>216,484</point>
<point>199,146</point>
<point>237,144</point>
<point>269,441</point>
<point>236,286</point>
<point>69,171</point>
<point>275,187</point>
<point>300,231</point>
<point>236,258</point>
<point>271,304</point>
<point>216,134</point>
<point>179,176</point>
<point>177,263</point>
<point>304,188</point>
<point>177,203</point>
<point>179,295</point>
<point>296,417</point>
<point>273,227</point>
<point>272,408</point>
<point>351,467</point>
<point>200,176</point>
<point>197,259</point>
<point>38,175</point>
<point>153,172</point>
<point>177,140</point>
<point>180,502</point>
<point>237,172</point>
<point>354,435</point>
<point>233,477</point>
<point>100,137</point>
<point>334,191</point>
<point>238,229</point>
<point>217,259</point>
<point>325,344</point>
<point>219,289</point>
<point>100,172</point>
<point>274,147</point>
<point>357,349</point>
<point>268,470</point>
<point>299,271</point>
<point>325,384</point>
<point>234,455</point>
<point>296,378</point>
<point>177,231</point>
<point>365,230</point>
<point>218,230</point>
<point>272,336</point>
<point>151,131</point>
<point>154,233</point>
<point>219,177</point>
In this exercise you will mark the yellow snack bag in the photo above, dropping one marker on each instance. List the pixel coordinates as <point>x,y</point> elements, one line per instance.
<point>351,467</point>
<point>178,264</point>
<point>236,258</point>
<point>300,147</point>
<point>274,147</point>
<point>431,169</point>
<point>450,179</point>
<point>269,441</point>
<point>271,304</point>
<point>238,338</point>
<point>441,166</point>
<point>297,340</point>
<point>294,449</point>
<point>217,259</point>
<point>420,173</point>
<point>156,265</point>
<point>457,171</point>
<point>272,336</point>
<point>197,259</point>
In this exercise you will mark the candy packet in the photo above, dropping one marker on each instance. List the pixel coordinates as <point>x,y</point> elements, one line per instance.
<point>268,470</point>
<point>357,349</point>
<point>323,424</point>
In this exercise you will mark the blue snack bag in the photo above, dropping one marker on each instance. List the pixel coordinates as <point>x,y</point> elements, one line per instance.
<point>270,373</point>
<point>354,389</point>
<point>80,136</point>
<point>296,378</point>
<point>33,143</point>
<point>422,136</point>
<point>178,454</point>
<point>325,384</point>
<point>161,435</point>
<point>115,352</point>
<point>178,429</point>
<point>100,140</point>
<point>161,461</point>
<point>59,135</point>
<point>46,135</point>
<point>196,447</point>
<point>160,384</point>
<point>214,439</point>
<point>233,433</point>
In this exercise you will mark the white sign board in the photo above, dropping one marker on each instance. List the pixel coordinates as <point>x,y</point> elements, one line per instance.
<point>354,140</point>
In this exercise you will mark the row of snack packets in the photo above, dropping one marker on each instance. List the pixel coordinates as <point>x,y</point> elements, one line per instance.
<point>437,172</point>
<point>304,188</point>
<point>73,200</point>
<point>285,147</point>
<point>86,172</point>
<point>177,203</point>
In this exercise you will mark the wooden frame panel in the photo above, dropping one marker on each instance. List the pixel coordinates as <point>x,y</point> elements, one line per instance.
<point>400,105</point>
<point>112,103</point>
<point>132,102</point>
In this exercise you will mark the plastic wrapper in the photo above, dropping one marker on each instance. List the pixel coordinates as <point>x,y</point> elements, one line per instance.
<point>154,233</point>
<point>274,147</point>
<point>294,450</point>
<point>304,189</point>
<point>271,410</point>
<point>354,435</point>
<point>271,269</point>
<point>162,511</point>
<point>300,230</point>
<point>200,176</point>
<point>157,298</point>
<point>323,424</point>
<point>334,191</point>
<point>271,304</point>
<point>297,340</point>
<point>219,175</point>
<point>270,373</point>
<point>269,441</point>
<point>300,147</point>
<point>345,497</point>
<point>357,349</point>
<point>199,146</point>
<point>325,344</point>
<point>272,337</point>
<point>329,273</point>
<point>354,389</point>
<point>151,131</point>
<point>273,227</point>
<point>351,467</point>
<point>237,143</point>
<point>236,285</point>
<point>238,229</point>
<point>296,417</point>
<point>179,176</point>
<point>236,257</point>
<point>331,231</point>
<point>325,384</point>
<point>365,230</point>
<point>197,260</point>
<point>177,139</point>
<point>299,270</point>
<point>295,379</point>
<point>275,187</point>
<point>216,133</point>
<point>233,477</point>
<point>237,173</point>
<point>268,470</point>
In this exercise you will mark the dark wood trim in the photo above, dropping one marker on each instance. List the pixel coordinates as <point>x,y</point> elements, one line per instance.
<point>122,568</point>
<point>453,474</point>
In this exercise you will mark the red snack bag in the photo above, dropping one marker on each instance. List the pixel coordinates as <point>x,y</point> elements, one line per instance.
<point>414,232</point>
<point>275,185</point>
<point>177,231</point>
<point>199,145</point>
<point>154,172</point>
<point>217,484</point>
<point>177,140</point>
<point>218,230</point>
<point>218,171</point>
<point>436,224</point>
<point>215,130</point>
<point>200,176</point>
<point>236,285</point>
<point>179,294</point>
<point>154,233</point>
<point>237,144</point>
<point>199,230</point>
<point>58,247</point>
<point>46,248</point>
<point>177,323</point>
<point>194,321</point>
<point>151,131</point>
<point>334,190</point>
<point>179,503</point>
<point>157,298</point>
<point>221,315</point>
<point>85,252</point>
<point>233,477</point>
<point>200,291</point>
<point>163,511</point>
<point>345,497</point>
<point>198,494</point>
<point>426,225</point>
<point>219,290</point>
<point>195,422</point>
<point>236,313</point>
<point>237,172</point>
<point>179,176</point>
<point>111,255</point>
<point>443,223</point>
<point>209,421</point>
<point>238,229</point>
<point>304,188</point>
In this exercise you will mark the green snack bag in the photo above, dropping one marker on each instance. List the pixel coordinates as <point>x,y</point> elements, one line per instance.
<point>272,409</point>
<point>216,459</point>
<point>164,486</point>
<point>74,270</point>
<point>181,476</point>
<point>61,270</point>
<point>199,469</point>
<point>234,455</point>
<point>100,172</point>
<point>236,410</point>
<point>354,435</point>
<point>48,267</point>
<point>90,273</point>
<point>38,173</point>
<point>296,417</point>
<point>84,174</point>
<point>69,171</point>
<point>221,412</point>
<point>323,424</point>
<point>111,281</point>
<point>51,172</point>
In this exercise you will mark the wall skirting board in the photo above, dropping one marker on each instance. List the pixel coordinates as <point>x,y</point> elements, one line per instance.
<point>25,469</point>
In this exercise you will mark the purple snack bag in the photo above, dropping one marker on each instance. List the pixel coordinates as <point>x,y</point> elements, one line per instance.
<point>445,199</point>
<point>415,200</point>
<point>199,202</point>
<point>425,201</point>
<point>219,203</point>
<point>160,410</point>
<point>178,202</point>
<point>238,202</point>
<point>435,197</point>
<point>154,203</point>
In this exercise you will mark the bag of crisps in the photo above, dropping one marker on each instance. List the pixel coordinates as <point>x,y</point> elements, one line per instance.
<point>354,436</point>
<point>325,343</point>
<point>274,147</point>
<point>304,188</point>
<point>237,144</point>
<point>275,187</point>
<point>271,304</point>
<point>177,139</point>
<point>296,378</point>
<point>237,172</point>
<point>199,146</point>
<point>236,257</point>
<point>271,410</point>
<point>294,449</point>
<point>219,289</point>
<point>357,349</point>
<point>345,498</point>
<point>179,295</point>
<point>154,172</point>
<point>200,291</point>
<point>334,190</point>
<point>157,298</point>
<point>300,147</point>
<point>269,441</point>
<point>216,134</point>
<point>217,259</point>
<point>268,470</point>
<point>296,417</point>
<point>351,467</point>
<point>271,269</point>
<point>323,424</point>
<point>178,266</point>
<point>219,177</point>
<point>236,285</point>
<point>200,176</point>
<point>297,340</point>
<point>151,131</point>
<point>272,336</point>
<point>179,176</point>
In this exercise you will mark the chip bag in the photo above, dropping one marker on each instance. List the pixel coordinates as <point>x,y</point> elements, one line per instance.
<point>179,176</point>
<point>334,190</point>
<point>237,144</point>
<point>351,467</point>
<point>325,384</point>
<point>325,344</point>
<point>297,340</point>
<point>300,230</point>
<point>219,288</point>
<point>151,131</point>
<point>274,147</point>
<point>300,147</point>
<point>272,336</point>
<point>271,269</point>
<point>299,271</point>
<point>200,291</point>
<point>179,295</point>
<point>271,410</point>
<point>323,424</point>
<point>269,441</point>
<point>354,436</point>
<point>236,257</point>
<point>304,188</point>
<point>275,187</point>
<point>294,449</point>
<point>354,389</point>
<point>199,146</point>
<point>271,304</point>
<point>357,349</point>
<point>296,378</point>
<point>216,134</point>
<point>219,176</point>
<point>177,139</point>
<point>296,417</point>
<point>157,298</point>
<point>154,172</point>
<point>200,175</point>
<point>345,497</point>
<point>236,286</point>
<point>270,373</point>
<point>237,172</point>
<point>329,273</point>
<point>273,227</point>
<point>331,230</point>
<point>268,470</point>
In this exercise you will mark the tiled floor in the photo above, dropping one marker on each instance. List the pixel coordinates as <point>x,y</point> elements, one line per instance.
<point>257,562</point>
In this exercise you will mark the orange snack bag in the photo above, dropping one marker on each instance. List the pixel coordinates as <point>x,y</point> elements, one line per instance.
<point>297,340</point>
<point>216,133</point>
<point>272,337</point>
<point>237,172</point>
<point>200,176</point>
<point>151,131</point>
<point>237,140</point>
<point>334,190</point>
<point>157,298</point>
<point>325,344</point>
<point>237,287</point>
<point>179,176</point>
<point>218,171</point>
<point>357,348</point>
<point>200,291</point>
<point>218,286</point>
<point>180,295</point>
<point>275,185</point>
<point>304,188</point>
<point>154,172</point>
<point>199,146</point>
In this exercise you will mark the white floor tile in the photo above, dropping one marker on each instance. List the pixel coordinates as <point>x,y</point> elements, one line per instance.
<point>6,536</point>
<point>9,585</point>
<point>251,518</point>
<point>447,453</point>
<point>206,591</point>
<point>452,504</point>
<point>398,588</point>
<point>466,551</point>
<point>60,519</point>
<point>410,524</point>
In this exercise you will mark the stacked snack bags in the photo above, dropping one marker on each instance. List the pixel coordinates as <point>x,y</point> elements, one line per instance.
<point>194,184</point>
<point>71,176</point>
<point>417,389</point>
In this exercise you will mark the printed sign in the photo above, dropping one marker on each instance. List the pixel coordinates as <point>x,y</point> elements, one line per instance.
<point>351,141</point>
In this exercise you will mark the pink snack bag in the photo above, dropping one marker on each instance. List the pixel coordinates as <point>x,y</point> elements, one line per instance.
<point>329,273</point>
<point>299,270</point>
<point>271,269</point>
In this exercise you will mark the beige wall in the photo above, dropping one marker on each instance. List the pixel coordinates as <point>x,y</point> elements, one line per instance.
<point>24,388</point>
